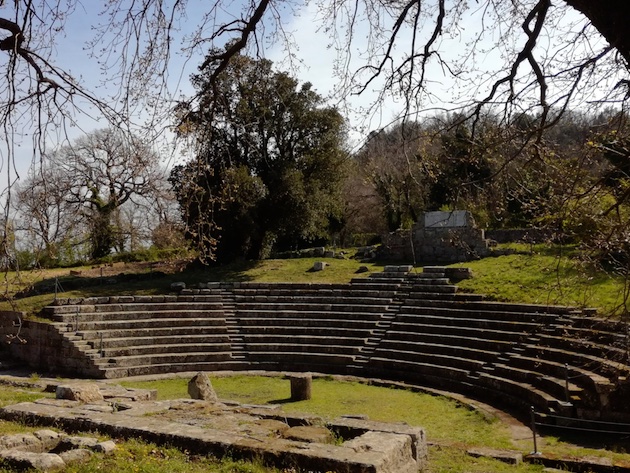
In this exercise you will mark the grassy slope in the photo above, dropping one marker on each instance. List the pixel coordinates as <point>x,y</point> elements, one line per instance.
<point>290,270</point>
<point>546,275</point>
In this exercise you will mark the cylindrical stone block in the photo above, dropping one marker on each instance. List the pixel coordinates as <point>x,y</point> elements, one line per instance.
<point>301,387</point>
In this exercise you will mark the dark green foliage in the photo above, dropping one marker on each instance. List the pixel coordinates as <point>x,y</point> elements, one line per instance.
<point>465,168</point>
<point>269,163</point>
<point>396,164</point>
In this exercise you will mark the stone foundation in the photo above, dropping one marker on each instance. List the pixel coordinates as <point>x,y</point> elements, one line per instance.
<point>438,237</point>
<point>241,432</point>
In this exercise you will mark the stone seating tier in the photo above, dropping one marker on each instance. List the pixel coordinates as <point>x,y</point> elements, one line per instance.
<point>160,358</point>
<point>589,380</point>
<point>557,387</point>
<point>194,339</point>
<point>436,348</point>
<point>481,386</point>
<point>490,314</point>
<point>114,372</point>
<point>346,291</point>
<point>146,322</point>
<point>466,333</point>
<point>258,339</point>
<point>131,334</point>
<point>612,351</point>
<point>151,349</point>
<point>483,323</point>
<point>485,342</point>
<point>125,315</point>
<point>607,368</point>
<point>446,359</point>
<point>520,393</point>
<point>302,307</point>
<point>305,326</point>
<point>604,332</point>
<point>413,327</point>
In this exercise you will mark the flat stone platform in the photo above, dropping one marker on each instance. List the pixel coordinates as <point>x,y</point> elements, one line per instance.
<point>344,445</point>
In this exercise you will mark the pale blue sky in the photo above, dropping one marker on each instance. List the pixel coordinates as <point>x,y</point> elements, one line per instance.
<point>311,46</point>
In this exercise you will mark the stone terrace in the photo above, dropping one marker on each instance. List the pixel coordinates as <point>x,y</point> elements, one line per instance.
<point>397,325</point>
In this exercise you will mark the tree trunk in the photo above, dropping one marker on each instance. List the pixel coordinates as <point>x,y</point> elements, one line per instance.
<point>102,235</point>
<point>611,20</point>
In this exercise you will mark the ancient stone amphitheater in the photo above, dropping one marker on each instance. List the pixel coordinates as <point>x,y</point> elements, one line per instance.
<point>396,325</point>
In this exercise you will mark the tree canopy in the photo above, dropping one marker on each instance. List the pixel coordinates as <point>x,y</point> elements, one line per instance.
<point>269,162</point>
<point>525,62</point>
<point>85,185</point>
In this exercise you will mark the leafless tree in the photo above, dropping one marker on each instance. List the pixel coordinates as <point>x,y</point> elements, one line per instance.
<point>105,170</point>
<point>394,46</point>
<point>43,213</point>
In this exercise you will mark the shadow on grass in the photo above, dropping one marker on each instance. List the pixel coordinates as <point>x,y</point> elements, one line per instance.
<point>281,401</point>
<point>145,282</point>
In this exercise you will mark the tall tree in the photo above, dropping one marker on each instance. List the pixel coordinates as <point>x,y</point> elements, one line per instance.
<point>105,169</point>
<point>269,163</point>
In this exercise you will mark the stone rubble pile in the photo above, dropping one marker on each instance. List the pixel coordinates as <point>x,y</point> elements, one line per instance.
<point>47,450</point>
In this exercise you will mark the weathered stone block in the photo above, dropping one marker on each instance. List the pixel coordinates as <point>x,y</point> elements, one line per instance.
<point>83,392</point>
<point>200,387</point>
<point>105,447</point>
<point>309,433</point>
<point>49,438</point>
<point>36,461</point>
<point>319,265</point>
<point>394,449</point>
<point>77,455</point>
<point>506,456</point>
<point>75,442</point>
<point>178,286</point>
<point>21,442</point>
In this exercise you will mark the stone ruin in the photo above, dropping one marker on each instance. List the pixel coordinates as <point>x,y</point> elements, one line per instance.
<point>47,450</point>
<point>266,433</point>
<point>438,237</point>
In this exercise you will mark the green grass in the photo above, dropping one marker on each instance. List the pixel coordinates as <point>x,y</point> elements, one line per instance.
<point>548,275</point>
<point>542,274</point>
<point>332,399</point>
<point>13,395</point>
<point>135,456</point>
<point>453,427</point>
<point>444,420</point>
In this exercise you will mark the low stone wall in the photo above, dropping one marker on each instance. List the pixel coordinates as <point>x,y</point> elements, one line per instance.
<point>40,345</point>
